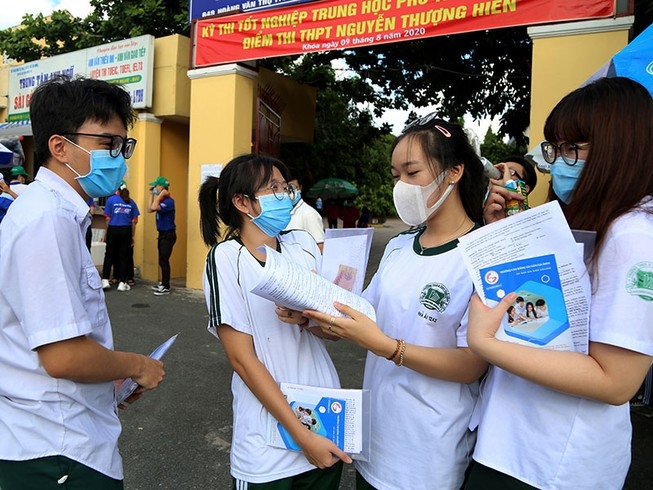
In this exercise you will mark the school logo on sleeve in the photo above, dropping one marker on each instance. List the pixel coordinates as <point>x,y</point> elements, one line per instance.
<point>435,296</point>
<point>639,280</point>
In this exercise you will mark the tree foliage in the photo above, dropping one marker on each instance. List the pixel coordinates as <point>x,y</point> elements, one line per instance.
<point>346,144</point>
<point>111,20</point>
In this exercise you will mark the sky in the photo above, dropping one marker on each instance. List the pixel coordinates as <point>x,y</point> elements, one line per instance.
<point>13,11</point>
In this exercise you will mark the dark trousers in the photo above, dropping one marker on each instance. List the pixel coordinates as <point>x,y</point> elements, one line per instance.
<point>45,474</point>
<point>165,243</point>
<point>118,253</point>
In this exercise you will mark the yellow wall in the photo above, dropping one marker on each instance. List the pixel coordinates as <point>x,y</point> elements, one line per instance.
<point>222,105</point>
<point>564,56</point>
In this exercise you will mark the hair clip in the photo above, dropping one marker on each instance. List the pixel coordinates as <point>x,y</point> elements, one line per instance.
<point>446,133</point>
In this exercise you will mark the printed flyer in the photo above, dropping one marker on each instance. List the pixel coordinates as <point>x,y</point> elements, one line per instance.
<point>341,415</point>
<point>539,315</point>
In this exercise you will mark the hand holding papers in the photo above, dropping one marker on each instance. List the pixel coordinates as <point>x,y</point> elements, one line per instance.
<point>338,414</point>
<point>129,385</point>
<point>292,286</point>
<point>534,254</point>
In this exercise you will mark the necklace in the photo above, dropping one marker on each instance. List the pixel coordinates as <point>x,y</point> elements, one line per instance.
<point>453,236</point>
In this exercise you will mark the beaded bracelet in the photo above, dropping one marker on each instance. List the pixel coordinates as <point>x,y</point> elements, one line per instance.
<point>394,354</point>
<point>401,354</point>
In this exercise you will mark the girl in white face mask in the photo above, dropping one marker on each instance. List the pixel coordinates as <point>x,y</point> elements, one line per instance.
<point>421,375</point>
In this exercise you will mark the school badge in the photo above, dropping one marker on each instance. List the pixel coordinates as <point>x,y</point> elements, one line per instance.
<point>435,296</point>
<point>639,280</point>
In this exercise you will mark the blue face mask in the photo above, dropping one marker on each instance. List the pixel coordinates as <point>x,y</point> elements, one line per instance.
<point>105,175</point>
<point>298,196</point>
<point>565,177</point>
<point>275,214</point>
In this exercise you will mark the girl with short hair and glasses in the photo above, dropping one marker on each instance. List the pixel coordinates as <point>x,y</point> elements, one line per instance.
<point>422,378</point>
<point>560,419</point>
<point>265,345</point>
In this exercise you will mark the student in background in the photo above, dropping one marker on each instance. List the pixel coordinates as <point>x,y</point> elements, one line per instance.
<point>304,217</point>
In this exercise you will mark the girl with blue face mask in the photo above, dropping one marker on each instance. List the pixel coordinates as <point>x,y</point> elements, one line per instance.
<point>252,200</point>
<point>569,422</point>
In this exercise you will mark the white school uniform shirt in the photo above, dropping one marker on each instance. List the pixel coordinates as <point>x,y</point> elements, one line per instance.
<point>50,292</point>
<point>419,435</point>
<point>304,217</point>
<point>551,440</point>
<point>289,354</point>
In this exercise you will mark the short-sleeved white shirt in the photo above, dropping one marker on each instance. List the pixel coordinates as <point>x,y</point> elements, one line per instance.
<point>552,440</point>
<point>51,291</point>
<point>289,354</point>
<point>419,436</point>
<point>304,217</point>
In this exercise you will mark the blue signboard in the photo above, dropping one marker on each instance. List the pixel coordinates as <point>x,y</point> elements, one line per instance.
<point>199,9</point>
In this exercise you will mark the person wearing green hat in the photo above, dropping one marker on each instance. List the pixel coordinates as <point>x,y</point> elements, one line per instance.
<point>19,178</point>
<point>164,206</point>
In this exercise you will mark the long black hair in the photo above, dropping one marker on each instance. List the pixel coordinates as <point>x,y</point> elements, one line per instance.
<point>244,174</point>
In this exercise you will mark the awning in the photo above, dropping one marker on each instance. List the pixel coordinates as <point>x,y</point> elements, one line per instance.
<point>16,128</point>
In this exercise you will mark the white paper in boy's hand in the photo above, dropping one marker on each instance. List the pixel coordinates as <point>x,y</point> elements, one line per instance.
<point>297,288</point>
<point>128,386</point>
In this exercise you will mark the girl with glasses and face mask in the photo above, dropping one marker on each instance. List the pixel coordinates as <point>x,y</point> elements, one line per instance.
<point>422,378</point>
<point>569,424</point>
<point>253,201</point>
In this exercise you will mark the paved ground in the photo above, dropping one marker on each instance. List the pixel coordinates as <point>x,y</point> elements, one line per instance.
<point>178,436</point>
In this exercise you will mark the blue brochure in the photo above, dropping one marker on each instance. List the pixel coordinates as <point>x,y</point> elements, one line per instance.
<point>341,415</point>
<point>539,315</point>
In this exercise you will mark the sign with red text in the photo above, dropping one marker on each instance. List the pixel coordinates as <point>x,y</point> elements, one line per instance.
<point>345,24</point>
<point>129,63</point>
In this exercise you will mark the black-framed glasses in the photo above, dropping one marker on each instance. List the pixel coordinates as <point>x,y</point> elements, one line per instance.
<point>425,122</point>
<point>280,191</point>
<point>119,144</point>
<point>513,173</point>
<point>568,151</point>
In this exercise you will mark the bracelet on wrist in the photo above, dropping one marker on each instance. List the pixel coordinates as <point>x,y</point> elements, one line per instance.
<point>400,360</point>
<point>394,354</point>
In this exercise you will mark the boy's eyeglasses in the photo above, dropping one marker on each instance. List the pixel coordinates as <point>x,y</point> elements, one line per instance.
<point>119,144</point>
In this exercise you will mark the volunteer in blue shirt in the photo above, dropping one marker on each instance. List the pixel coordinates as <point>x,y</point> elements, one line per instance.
<point>122,214</point>
<point>164,206</point>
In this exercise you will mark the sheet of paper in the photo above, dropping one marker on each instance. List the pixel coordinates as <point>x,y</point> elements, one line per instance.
<point>128,386</point>
<point>345,256</point>
<point>538,232</point>
<point>341,415</point>
<point>293,286</point>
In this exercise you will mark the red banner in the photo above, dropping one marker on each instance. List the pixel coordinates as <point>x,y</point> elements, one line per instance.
<point>345,24</point>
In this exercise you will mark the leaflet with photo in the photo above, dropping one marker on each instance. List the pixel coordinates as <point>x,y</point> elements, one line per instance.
<point>534,254</point>
<point>341,415</point>
<point>539,315</point>
<point>345,256</point>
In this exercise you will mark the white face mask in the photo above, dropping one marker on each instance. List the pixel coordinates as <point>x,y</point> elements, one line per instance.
<point>410,200</point>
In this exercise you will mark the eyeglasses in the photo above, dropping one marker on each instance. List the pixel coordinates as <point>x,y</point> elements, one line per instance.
<point>513,173</point>
<point>119,144</point>
<point>568,151</point>
<point>281,191</point>
<point>423,122</point>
